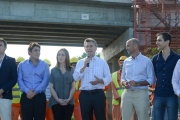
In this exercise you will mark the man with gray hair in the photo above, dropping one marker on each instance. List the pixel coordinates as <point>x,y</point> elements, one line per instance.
<point>137,74</point>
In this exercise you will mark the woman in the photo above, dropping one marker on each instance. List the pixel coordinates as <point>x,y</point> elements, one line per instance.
<point>62,87</point>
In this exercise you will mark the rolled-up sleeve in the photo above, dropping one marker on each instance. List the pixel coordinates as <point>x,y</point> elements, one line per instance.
<point>107,75</point>
<point>123,73</point>
<point>176,79</point>
<point>21,84</point>
<point>77,75</point>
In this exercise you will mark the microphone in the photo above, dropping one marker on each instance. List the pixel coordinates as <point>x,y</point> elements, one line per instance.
<point>88,55</point>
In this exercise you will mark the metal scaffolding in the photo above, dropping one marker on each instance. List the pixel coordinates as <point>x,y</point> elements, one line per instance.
<point>154,16</point>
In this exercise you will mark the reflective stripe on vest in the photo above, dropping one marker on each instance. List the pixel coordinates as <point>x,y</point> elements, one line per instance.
<point>77,86</point>
<point>16,94</point>
<point>118,88</point>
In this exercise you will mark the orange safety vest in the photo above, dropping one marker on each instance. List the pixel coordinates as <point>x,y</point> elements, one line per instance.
<point>76,93</point>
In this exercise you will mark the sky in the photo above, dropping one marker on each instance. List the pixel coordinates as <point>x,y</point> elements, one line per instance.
<point>48,52</point>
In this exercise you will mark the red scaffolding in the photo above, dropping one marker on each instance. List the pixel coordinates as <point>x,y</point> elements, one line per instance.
<point>153,16</point>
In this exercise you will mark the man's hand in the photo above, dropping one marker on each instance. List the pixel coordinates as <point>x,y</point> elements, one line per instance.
<point>126,84</point>
<point>119,99</point>
<point>87,60</point>
<point>30,94</point>
<point>97,81</point>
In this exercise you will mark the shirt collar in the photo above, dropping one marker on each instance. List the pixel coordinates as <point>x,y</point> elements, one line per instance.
<point>2,58</point>
<point>171,53</point>
<point>137,57</point>
<point>29,61</point>
<point>94,58</point>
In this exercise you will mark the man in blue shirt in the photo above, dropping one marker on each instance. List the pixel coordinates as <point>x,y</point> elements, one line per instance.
<point>137,74</point>
<point>164,63</point>
<point>33,78</point>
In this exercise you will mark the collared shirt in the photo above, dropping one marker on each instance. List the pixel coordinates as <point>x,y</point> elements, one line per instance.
<point>164,71</point>
<point>33,77</point>
<point>138,69</point>
<point>1,60</point>
<point>97,67</point>
<point>176,79</point>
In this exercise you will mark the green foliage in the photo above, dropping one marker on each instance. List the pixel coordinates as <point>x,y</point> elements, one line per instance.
<point>176,51</point>
<point>150,52</point>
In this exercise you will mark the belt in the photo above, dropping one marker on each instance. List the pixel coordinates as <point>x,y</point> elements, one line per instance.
<point>136,89</point>
<point>91,92</point>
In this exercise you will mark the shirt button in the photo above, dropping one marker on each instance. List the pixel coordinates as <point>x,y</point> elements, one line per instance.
<point>163,80</point>
<point>162,86</point>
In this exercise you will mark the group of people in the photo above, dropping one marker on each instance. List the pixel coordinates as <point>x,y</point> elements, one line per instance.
<point>138,73</point>
<point>80,87</point>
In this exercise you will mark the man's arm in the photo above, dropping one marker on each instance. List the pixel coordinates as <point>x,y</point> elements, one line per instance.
<point>176,79</point>
<point>12,78</point>
<point>21,84</point>
<point>43,85</point>
<point>77,75</point>
<point>106,76</point>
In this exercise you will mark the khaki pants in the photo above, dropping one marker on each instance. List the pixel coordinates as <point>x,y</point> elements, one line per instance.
<point>5,109</point>
<point>135,100</point>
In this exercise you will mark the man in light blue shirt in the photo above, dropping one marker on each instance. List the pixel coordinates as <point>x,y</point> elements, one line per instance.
<point>137,74</point>
<point>33,78</point>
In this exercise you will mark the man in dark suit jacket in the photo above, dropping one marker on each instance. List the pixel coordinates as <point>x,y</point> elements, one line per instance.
<point>8,78</point>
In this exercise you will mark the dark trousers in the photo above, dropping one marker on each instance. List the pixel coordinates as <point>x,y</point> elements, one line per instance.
<point>161,104</point>
<point>33,109</point>
<point>93,100</point>
<point>62,112</point>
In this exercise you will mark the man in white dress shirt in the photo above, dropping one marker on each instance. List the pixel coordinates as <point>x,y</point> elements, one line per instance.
<point>137,74</point>
<point>94,74</point>
<point>176,81</point>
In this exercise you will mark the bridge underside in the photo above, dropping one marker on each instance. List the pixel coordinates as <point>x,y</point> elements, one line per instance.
<point>57,34</point>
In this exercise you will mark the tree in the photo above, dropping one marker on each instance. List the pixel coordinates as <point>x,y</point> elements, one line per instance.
<point>150,52</point>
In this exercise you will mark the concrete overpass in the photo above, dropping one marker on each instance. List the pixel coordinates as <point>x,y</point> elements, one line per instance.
<point>68,23</point>
<point>64,22</point>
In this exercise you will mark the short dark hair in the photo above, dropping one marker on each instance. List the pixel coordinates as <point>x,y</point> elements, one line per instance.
<point>90,40</point>
<point>166,36</point>
<point>2,40</point>
<point>32,45</point>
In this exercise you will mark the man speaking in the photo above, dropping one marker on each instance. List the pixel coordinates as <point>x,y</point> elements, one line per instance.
<point>95,75</point>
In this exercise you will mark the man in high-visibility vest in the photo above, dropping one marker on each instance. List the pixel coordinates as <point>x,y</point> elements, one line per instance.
<point>117,90</point>
<point>77,110</point>
<point>15,113</point>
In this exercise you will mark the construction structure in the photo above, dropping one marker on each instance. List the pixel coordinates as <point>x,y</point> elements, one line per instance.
<point>154,16</point>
